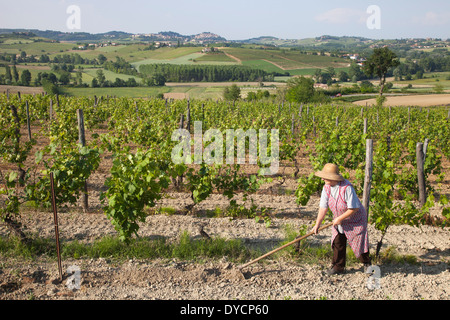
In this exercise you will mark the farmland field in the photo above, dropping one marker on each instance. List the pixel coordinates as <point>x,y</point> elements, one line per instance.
<point>286,60</point>
<point>412,100</point>
<point>134,136</point>
<point>35,48</point>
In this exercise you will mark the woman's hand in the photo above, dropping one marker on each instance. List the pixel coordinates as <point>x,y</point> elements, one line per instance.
<point>315,229</point>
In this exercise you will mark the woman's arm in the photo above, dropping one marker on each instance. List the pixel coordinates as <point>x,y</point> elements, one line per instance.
<point>347,214</point>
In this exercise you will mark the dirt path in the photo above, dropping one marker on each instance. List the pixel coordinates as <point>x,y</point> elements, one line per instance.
<point>233,57</point>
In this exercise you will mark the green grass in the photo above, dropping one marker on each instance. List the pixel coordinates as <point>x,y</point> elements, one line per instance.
<point>35,48</point>
<point>391,255</point>
<point>186,59</point>
<point>308,252</point>
<point>186,248</point>
<point>263,65</point>
<point>135,53</point>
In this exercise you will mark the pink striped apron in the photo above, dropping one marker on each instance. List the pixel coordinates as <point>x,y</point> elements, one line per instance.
<point>355,227</point>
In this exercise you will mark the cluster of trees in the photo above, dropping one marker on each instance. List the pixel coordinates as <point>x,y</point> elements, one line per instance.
<point>258,95</point>
<point>12,77</point>
<point>416,67</point>
<point>330,75</point>
<point>302,89</point>
<point>119,66</point>
<point>232,93</point>
<point>365,86</point>
<point>100,81</point>
<point>435,61</point>
<point>207,73</point>
<point>73,58</point>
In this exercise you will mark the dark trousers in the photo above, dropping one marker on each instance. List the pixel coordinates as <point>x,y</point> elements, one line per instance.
<point>339,253</point>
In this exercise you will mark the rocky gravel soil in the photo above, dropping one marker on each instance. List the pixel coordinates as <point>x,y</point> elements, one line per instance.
<point>275,279</point>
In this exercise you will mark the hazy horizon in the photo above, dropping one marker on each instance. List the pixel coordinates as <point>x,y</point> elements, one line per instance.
<point>237,20</point>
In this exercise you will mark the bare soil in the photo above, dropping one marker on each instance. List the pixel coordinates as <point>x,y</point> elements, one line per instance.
<point>276,279</point>
<point>412,100</point>
<point>220,279</point>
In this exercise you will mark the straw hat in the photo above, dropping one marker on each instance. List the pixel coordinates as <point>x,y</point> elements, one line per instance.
<point>330,172</point>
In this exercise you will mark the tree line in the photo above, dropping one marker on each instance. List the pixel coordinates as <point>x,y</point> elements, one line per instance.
<point>206,73</point>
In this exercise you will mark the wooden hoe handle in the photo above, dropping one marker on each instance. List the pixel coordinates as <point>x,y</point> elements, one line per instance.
<point>285,245</point>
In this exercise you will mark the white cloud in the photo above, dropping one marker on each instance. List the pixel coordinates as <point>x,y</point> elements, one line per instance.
<point>342,16</point>
<point>433,19</point>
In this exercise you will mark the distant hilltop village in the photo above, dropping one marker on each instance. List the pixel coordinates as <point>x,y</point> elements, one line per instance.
<point>201,38</point>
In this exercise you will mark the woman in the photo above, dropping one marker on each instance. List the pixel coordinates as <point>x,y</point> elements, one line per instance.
<point>349,218</point>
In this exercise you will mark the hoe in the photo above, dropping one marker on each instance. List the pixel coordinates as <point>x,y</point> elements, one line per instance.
<point>284,246</point>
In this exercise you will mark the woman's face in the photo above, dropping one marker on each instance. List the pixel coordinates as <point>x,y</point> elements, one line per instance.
<point>331,183</point>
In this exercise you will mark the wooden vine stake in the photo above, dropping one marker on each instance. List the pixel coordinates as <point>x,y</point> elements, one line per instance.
<point>50,112</point>
<point>420,173</point>
<point>28,120</point>
<point>368,174</point>
<point>188,116</point>
<point>82,141</point>
<point>55,218</point>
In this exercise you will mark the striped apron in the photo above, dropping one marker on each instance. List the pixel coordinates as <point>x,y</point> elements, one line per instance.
<point>355,227</point>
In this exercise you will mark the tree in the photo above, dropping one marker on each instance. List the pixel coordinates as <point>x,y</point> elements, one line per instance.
<point>131,82</point>
<point>251,96</point>
<point>8,76</point>
<point>232,93</point>
<point>50,87</point>
<point>44,59</point>
<point>15,73</point>
<point>331,71</point>
<point>64,78</point>
<point>379,63</point>
<point>101,58</point>
<point>25,77</point>
<point>355,72</point>
<point>317,75</point>
<point>343,76</point>
<point>300,89</point>
<point>100,77</point>
<point>79,78</point>
<point>366,86</point>
<point>159,80</point>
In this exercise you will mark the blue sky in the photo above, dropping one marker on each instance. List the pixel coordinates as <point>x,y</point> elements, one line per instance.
<point>236,20</point>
